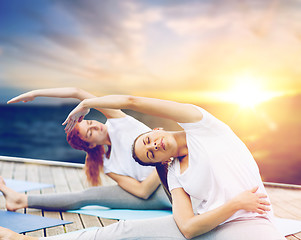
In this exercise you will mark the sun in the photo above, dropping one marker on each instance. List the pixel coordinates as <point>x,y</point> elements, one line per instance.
<point>247,93</point>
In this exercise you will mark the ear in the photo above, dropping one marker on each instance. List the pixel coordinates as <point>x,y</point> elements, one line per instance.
<point>92,145</point>
<point>158,129</point>
<point>168,161</point>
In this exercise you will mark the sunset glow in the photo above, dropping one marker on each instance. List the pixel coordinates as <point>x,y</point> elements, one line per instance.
<point>192,51</point>
<point>247,93</point>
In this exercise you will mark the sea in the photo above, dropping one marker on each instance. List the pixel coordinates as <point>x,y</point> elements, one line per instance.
<point>34,131</point>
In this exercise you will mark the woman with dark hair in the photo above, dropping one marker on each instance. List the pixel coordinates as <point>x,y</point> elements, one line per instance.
<point>210,175</point>
<point>138,187</point>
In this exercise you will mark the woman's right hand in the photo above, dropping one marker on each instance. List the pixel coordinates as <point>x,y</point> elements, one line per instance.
<point>76,115</point>
<point>253,202</point>
<point>25,97</point>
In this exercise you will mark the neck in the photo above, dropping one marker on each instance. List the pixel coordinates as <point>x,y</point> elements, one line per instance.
<point>180,137</point>
<point>107,140</point>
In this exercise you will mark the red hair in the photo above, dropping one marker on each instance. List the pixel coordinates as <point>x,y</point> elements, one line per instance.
<point>94,157</point>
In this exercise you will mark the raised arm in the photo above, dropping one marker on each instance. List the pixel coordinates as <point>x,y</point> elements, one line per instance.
<point>193,225</point>
<point>69,92</point>
<point>178,112</point>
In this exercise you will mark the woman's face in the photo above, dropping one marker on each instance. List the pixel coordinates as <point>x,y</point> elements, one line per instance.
<point>93,132</point>
<point>155,146</point>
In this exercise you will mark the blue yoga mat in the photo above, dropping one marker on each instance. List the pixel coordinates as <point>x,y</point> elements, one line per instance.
<point>122,214</point>
<point>22,223</point>
<point>284,226</point>
<point>25,186</point>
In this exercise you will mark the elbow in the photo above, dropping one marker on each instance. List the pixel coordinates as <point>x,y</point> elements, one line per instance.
<point>144,194</point>
<point>186,233</point>
<point>144,197</point>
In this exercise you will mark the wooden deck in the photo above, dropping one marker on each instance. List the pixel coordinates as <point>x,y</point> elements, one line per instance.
<point>286,202</point>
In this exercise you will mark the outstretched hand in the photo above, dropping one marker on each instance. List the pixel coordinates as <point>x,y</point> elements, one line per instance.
<point>253,202</point>
<point>76,115</point>
<point>25,97</point>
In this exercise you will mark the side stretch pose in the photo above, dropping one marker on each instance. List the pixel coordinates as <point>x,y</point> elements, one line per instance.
<point>138,187</point>
<point>209,179</point>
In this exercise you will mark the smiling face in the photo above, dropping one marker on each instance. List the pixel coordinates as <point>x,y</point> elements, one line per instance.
<point>155,146</point>
<point>93,132</point>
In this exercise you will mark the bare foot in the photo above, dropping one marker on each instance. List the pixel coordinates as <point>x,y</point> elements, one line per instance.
<point>14,200</point>
<point>6,234</point>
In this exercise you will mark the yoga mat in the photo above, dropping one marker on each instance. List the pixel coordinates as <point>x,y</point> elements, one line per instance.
<point>122,214</point>
<point>287,226</point>
<point>22,223</point>
<point>284,226</point>
<point>25,186</point>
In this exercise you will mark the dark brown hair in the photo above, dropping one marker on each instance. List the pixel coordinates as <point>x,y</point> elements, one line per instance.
<point>162,169</point>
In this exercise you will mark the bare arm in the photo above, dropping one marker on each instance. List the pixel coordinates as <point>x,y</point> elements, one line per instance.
<point>178,112</point>
<point>70,92</point>
<point>193,225</point>
<point>152,106</point>
<point>140,189</point>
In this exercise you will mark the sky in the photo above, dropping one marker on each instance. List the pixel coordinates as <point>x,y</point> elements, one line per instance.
<point>237,51</point>
<point>181,50</point>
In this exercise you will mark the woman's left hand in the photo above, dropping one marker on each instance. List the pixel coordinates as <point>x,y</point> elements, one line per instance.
<point>77,115</point>
<point>252,201</point>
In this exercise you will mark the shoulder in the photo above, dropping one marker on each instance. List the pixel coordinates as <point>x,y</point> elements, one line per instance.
<point>131,121</point>
<point>207,122</point>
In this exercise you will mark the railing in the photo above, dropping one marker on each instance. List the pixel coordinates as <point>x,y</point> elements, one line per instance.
<point>41,162</point>
<point>79,165</point>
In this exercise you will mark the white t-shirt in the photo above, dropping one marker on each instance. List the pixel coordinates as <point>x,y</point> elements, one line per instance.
<point>220,166</point>
<point>123,131</point>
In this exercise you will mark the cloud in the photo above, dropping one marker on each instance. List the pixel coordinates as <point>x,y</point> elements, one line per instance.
<point>92,43</point>
<point>256,16</point>
<point>124,46</point>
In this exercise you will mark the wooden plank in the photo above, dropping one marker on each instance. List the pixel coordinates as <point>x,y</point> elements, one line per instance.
<point>1,163</point>
<point>7,169</point>
<point>2,199</point>
<point>291,237</point>
<point>90,221</point>
<point>75,180</point>
<point>72,179</point>
<point>62,185</point>
<point>298,235</point>
<point>34,176</point>
<point>82,177</point>
<point>107,222</point>
<point>105,181</point>
<point>47,177</point>
<point>19,173</point>
<point>286,202</point>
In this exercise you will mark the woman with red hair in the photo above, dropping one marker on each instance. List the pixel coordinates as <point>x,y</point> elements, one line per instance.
<point>138,187</point>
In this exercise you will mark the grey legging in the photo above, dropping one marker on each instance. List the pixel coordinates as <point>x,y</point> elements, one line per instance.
<point>165,228</point>
<point>108,196</point>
